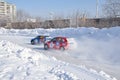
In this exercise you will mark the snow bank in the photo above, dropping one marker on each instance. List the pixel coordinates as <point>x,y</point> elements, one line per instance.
<point>68,32</point>
<point>21,52</point>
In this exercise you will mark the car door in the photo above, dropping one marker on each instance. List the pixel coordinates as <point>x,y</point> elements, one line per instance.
<point>57,44</point>
<point>53,43</point>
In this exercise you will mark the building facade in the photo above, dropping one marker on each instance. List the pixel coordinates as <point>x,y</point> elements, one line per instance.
<point>7,11</point>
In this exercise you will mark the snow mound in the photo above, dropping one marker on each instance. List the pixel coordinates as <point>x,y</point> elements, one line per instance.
<point>68,32</point>
<point>21,52</point>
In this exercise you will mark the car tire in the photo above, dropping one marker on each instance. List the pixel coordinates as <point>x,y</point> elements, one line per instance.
<point>32,42</point>
<point>62,48</point>
<point>46,47</point>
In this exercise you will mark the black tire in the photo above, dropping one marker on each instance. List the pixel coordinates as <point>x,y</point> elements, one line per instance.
<point>46,47</point>
<point>32,42</point>
<point>62,48</point>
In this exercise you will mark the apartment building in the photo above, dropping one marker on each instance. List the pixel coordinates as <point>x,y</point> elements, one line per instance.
<point>7,11</point>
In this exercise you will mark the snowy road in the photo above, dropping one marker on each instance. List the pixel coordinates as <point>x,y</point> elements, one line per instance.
<point>69,56</point>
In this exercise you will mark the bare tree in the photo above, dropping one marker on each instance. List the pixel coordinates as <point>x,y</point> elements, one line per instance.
<point>38,19</point>
<point>22,16</point>
<point>112,8</point>
<point>78,18</point>
<point>58,17</point>
<point>4,20</point>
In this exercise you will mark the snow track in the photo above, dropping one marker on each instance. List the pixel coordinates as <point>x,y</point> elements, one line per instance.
<point>19,63</point>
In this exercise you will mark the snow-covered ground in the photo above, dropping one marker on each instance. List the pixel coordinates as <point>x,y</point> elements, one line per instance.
<point>92,53</point>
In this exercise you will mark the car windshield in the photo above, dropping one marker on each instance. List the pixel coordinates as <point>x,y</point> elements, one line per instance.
<point>54,39</point>
<point>37,36</point>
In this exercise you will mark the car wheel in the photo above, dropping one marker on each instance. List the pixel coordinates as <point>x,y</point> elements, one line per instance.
<point>62,48</point>
<point>32,42</point>
<point>46,47</point>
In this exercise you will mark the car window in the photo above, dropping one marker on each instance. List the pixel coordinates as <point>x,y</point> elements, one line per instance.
<point>53,40</point>
<point>37,37</point>
<point>62,40</point>
<point>41,37</point>
<point>59,39</point>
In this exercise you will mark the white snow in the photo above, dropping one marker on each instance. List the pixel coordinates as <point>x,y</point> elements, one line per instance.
<point>98,49</point>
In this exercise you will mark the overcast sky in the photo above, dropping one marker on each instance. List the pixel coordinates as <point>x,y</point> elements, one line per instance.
<point>57,7</point>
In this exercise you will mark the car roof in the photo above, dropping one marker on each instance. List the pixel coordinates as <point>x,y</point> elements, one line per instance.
<point>42,36</point>
<point>61,37</point>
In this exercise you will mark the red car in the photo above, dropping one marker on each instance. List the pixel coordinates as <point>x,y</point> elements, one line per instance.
<point>60,43</point>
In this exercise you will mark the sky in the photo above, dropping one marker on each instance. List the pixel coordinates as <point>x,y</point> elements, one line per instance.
<point>46,8</point>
